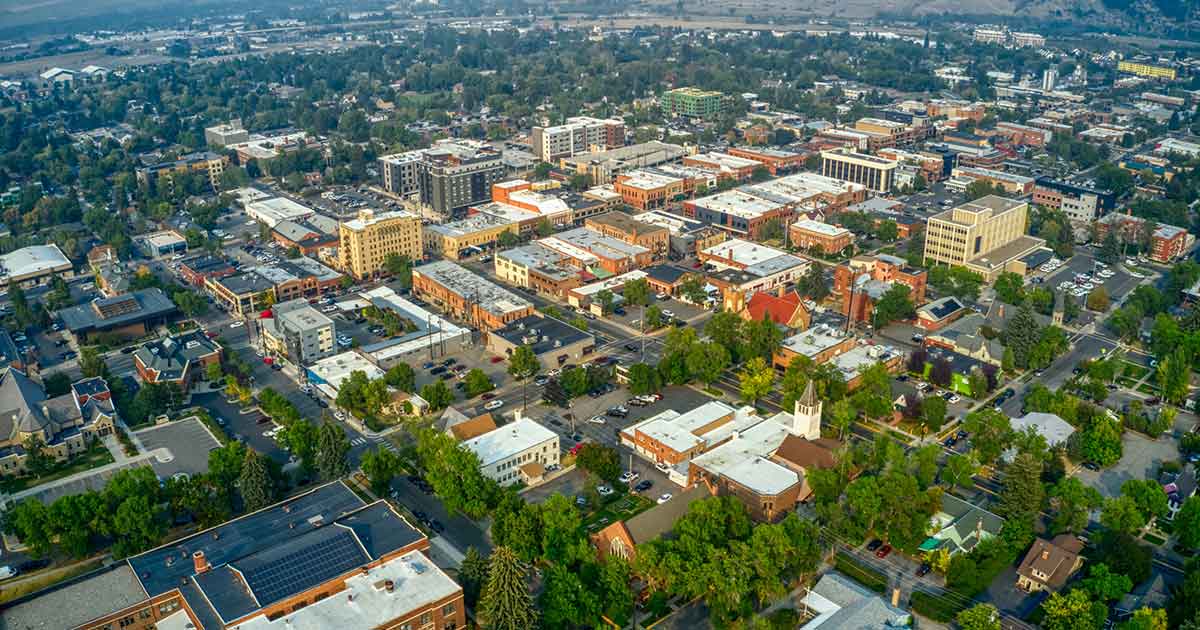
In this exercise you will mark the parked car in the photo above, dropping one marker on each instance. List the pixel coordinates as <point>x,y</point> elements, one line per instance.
<point>1092,466</point>
<point>631,347</point>
<point>643,485</point>
<point>629,476</point>
<point>924,569</point>
<point>493,404</point>
<point>874,544</point>
<point>7,572</point>
<point>666,496</point>
<point>604,490</point>
<point>883,551</point>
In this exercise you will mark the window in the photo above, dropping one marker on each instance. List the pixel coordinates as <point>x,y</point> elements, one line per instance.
<point>426,618</point>
<point>449,609</point>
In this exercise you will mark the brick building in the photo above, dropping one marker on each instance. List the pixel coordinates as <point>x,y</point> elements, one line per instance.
<point>625,228</point>
<point>467,297</point>
<point>1167,242</point>
<point>809,234</point>
<point>864,279</point>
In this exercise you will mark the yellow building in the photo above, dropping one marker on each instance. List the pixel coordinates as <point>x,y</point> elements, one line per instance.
<point>986,236</point>
<point>1146,70</point>
<point>460,239</point>
<point>366,242</point>
<point>876,173</point>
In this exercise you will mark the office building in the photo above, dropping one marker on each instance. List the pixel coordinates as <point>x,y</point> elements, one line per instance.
<point>724,165</point>
<point>224,134</point>
<point>180,359</point>
<point>744,268</point>
<point>692,102</point>
<point>646,189</point>
<point>580,134</point>
<point>131,315</point>
<point>740,212</point>
<point>986,236</point>
<point>212,165</point>
<point>298,332</point>
<point>985,35</point>
<point>1015,185</point>
<point>539,268</point>
<point>33,265</point>
<point>876,173</point>
<point>467,297</point>
<point>456,240</point>
<point>270,211</point>
<point>261,148</point>
<point>309,235</point>
<point>777,161</point>
<point>809,234</point>
<point>1049,79</point>
<point>242,294</point>
<point>364,243</point>
<point>1024,135</point>
<point>625,228</point>
<point>584,248</point>
<point>1148,70</point>
<point>1079,202</point>
<point>520,451</point>
<point>604,166</point>
<point>809,193</point>
<point>539,201</point>
<point>891,133</point>
<point>553,341</point>
<point>1028,40</point>
<point>196,270</point>
<point>862,281</point>
<point>65,425</point>
<point>454,175</point>
<point>161,244</point>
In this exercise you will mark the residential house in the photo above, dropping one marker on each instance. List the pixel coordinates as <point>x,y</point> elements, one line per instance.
<point>180,359</point>
<point>959,526</point>
<point>1050,563</point>
<point>840,603</point>
<point>622,538</point>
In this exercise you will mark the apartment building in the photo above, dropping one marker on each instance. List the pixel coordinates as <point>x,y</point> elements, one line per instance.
<point>1081,203</point>
<point>693,102</point>
<point>402,173</point>
<point>986,236</point>
<point>455,175</point>
<point>862,281</point>
<point>520,451</point>
<point>299,332</point>
<point>625,228</point>
<point>1167,242</point>
<point>1148,70</point>
<point>876,173</point>
<point>162,174</point>
<point>984,35</point>
<point>366,241</point>
<point>777,161</point>
<point>580,134</point>
<point>809,234</point>
<point>649,190</point>
<point>539,268</point>
<point>467,297</point>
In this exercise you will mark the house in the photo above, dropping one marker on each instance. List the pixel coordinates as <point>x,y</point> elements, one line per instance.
<point>1179,487</point>
<point>63,425</point>
<point>959,526</point>
<point>471,428</point>
<point>961,368</point>
<point>785,310</point>
<point>1050,563</point>
<point>180,359</point>
<point>518,451</point>
<point>840,603</point>
<point>1053,428</point>
<point>940,313</point>
<point>964,337</point>
<point>621,539</point>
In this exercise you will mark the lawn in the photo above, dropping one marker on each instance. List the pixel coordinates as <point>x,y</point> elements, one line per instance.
<point>1153,540</point>
<point>1147,388</point>
<point>866,576</point>
<point>937,608</point>
<point>620,509</point>
<point>1134,371</point>
<point>96,456</point>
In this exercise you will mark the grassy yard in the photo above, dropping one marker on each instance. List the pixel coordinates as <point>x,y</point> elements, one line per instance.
<point>1153,540</point>
<point>620,509</point>
<point>92,458</point>
<point>48,578</point>
<point>1134,371</point>
<point>937,608</point>
<point>864,575</point>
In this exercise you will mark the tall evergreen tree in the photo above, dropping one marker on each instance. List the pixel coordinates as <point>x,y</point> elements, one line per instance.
<point>255,482</point>
<point>472,574</point>
<point>1023,493</point>
<point>332,448</point>
<point>1021,334</point>
<point>505,603</point>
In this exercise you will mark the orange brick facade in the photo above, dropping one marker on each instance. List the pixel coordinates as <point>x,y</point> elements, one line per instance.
<point>458,307</point>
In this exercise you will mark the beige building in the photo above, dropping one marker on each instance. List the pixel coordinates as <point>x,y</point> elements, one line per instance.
<point>460,239</point>
<point>876,173</point>
<point>986,236</point>
<point>367,241</point>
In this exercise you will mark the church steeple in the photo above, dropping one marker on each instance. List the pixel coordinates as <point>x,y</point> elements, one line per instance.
<point>806,417</point>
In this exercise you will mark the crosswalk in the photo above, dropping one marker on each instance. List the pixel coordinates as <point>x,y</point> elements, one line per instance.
<point>358,441</point>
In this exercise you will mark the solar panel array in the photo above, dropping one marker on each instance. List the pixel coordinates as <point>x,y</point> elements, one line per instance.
<point>304,567</point>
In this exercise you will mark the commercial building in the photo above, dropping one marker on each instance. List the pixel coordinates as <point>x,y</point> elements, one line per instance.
<point>1167,242</point>
<point>180,359</point>
<point>429,335</point>
<point>601,255</point>
<point>157,176</point>
<point>809,234</point>
<point>1023,135</point>
<point>953,109</point>
<point>692,102</point>
<point>862,281</point>
<point>328,374</point>
<point>1175,145</point>
<point>223,134</point>
<point>455,175</point>
<point>1015,185</point>
<point>744,268</point>
<point>270,211</point>
<point>468,297</point>
<point>876,173</point>
<point>893,133</point>
<point>580,134</point>
<point>535,201</point>
<point>131,315</point>
<point>739,212</point>
<point>1148,70</point>
<point>553,341</point>
<point>322,559</point>
<point>986,236</point>
<point>604,166</point>
<point>309,235</point>
<point>33,265</point>
<point>820,344</point>
<point>364,243</point>
<point>518,451</point>
<point>285,280</point>
<point>539,268</point>
<point>461,239</point>
<point>1081,203</point>
<point>65,425</point>
<point>262,148</point>
<point>686,236</point>
<point>242,294</point>
<point>623,227</point>
<point>809,193</point>
<point>777,161</point>
<point>161,244</point>
<point>299,332</point>
<point>645,189</point>
<point>197,270</point>
<point>726,166</point>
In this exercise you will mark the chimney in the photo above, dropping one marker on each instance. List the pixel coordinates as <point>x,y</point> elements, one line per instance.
<point>200,562</point>
<point>390,586</point>
<point>1045,554</point>
<point>896,597</point>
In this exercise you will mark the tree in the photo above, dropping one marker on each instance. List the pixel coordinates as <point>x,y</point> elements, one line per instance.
<point>1148,619</point>
<point>1121,514</point>
<point>472,574</point>
<point>960,469</point>
<point>755,379</point>
<point>332,448</point>
<point>400,267</point>
<point>760,339</point>
<point>402,377</point>
<point>1023,493</point>
<point>812,284</point>
<point>606,300</point>
<point>1187,523</point>
<point>982,188</point>
<point>602,461</point>
<point>522,365</point>
<point>1110,250</point>
<point>636,292</point>
<point>437,394</point>
<point>1148,496</point>
<point>653,317</point>
<point>933,413</point>
<point>505,603</point>
<point>895,305</point>
<point>643,379</point>
<point>454,474</point>
<point>1073,611</point>
<point>476,382</point>
<point>381,466</point>
<point>91,363</point>
<point>841,415</point>
<point>991,433</point>
<point>565,601</point>
<point>254,482</point>
<point>979,617</point>
<point>1021,334</point>
<point>707,361</point>
<point>561,527</point>
<point>1098,300</point>
<point>725,329</point>
<point>1101,441</point>
<point>1072,502</point>
<point>1010,288</point>
<point>1104,585</point>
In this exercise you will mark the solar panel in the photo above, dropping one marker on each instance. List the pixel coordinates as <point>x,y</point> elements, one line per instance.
<point>311,562</point>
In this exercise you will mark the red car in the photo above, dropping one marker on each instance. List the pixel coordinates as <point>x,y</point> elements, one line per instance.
<point>883,551</point>
<point>497,359</point>
<point>488,396</point>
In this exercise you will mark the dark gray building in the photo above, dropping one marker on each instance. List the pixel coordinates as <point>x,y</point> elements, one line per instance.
<point>456,175</point>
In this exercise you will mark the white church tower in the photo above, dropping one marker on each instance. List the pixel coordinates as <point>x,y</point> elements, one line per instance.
<point>806,417</point>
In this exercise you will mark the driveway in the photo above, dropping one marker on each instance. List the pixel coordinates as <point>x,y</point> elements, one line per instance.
<point>1007,598</point>
<point>1140,460</point>
<point>460,531</point>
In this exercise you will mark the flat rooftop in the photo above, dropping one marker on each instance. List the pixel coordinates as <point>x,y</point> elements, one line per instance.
<point>101,593</point>
<point>813,341</point>
<point>337,368</point>
<point>648,180</point>
<point>467,285</point>
<point>738,203</point>
<point>547,333</point>
<point>818,227</point>
<point>509,440</point>
<point>743,253</point>
<point>480,222</point>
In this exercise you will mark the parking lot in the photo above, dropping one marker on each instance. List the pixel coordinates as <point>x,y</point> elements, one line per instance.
<point>189,442</point>
<point>1118,284</point>
<point>1140,460</point>
<point>246,427</point>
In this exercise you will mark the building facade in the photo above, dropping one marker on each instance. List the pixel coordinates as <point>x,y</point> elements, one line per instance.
<point>299,332</point>
<point>692,102</point>
<point>984,235</point>
<point>580,134</point>
<point>809,234</point>
<point>1080,203</point>
<point>876,173</point>
<point>367,241</point>
<point>467,297</point>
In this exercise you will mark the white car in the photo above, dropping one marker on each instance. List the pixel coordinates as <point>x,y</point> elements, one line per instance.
<point>596,419</point>
<point>664,498</point>
<point>629,476</point>
<point>604,490</point>
<point>7,572</point>
<point>661,296</point>
<point>494,404</point>
<point>668,313</point>
<point>662,466</point>
<point>339,415</point>
<point>954,398</point>
<point>237,324</point>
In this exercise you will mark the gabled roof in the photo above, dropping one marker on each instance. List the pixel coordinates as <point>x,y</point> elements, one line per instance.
<point>780,309</point>
<point>21,402</point>
<point>473,428</point>
<point>660,519</point>
<point>1053,559</point>
<point>807,454</point>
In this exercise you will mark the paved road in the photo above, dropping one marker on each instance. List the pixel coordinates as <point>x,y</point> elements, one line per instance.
<point>460,531</point>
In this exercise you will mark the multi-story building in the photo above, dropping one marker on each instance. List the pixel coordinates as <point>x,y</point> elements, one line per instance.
<point>876,173</point>
<point>809,234</point>
<point>224,134</point>
<point>180,359</point>
<point>241,294</point>
<point>455,175</point>
<point>739,212</point>
<point>162,174</point>
<point>541,201</point>
<point>986,35</point>
<point>299,332</point>
<point>33,265</point>
<point>1029,40</point>
<point>1079,202</point>
<point>725,165</point>
<point>1147,70</point>
<point>520,451</point>
<point>580,134</point>
<point>692,102</point>
<point>588,249</point>
<point>402,173</point>
<point>129,315</point>
<point>1013,184</point>
<point>367,241</point>
<point>309,236</point>
<point>161,244</point>
<point>196,270</point>
<point>625,228</point>
<point>467,297</point>
<point>1024,135</point>
<point>896,133</point>
<point>955,109</point>
<point>865,279</point>
<point>1167,242</point>
<point>298,278</point>
<point>539,268</point>
<point>744,268</point>
<point>261,149</point>
<point>603,166</point>
<point>460,239</point>
<point>809,193</point>
<point>649,190</point>
<point>65,425</point>
<point>986,236</point>
<point>553,341</point>
<point>321,559</point>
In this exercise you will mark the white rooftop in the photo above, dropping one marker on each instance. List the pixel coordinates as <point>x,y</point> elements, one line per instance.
<point>743,253</point>
<point>610,284</point>
<point>738,203</point>
<point>508,440</point>
<point>32,260</point>
<point>808,225</point>
<point>1053,428</point>
<point>272,211</point>
<point>367,218</point>
<point>743,459</point>
<point>337,368</point>
<point>647,180</point>
<point>814,340</point>
<point>366,602</point>
<point>678,430</point>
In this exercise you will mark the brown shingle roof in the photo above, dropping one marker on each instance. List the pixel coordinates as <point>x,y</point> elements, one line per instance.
<point>1053,559</point>
<point>807,454</point>
<point>474,427</point>
<point>660,519</point>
